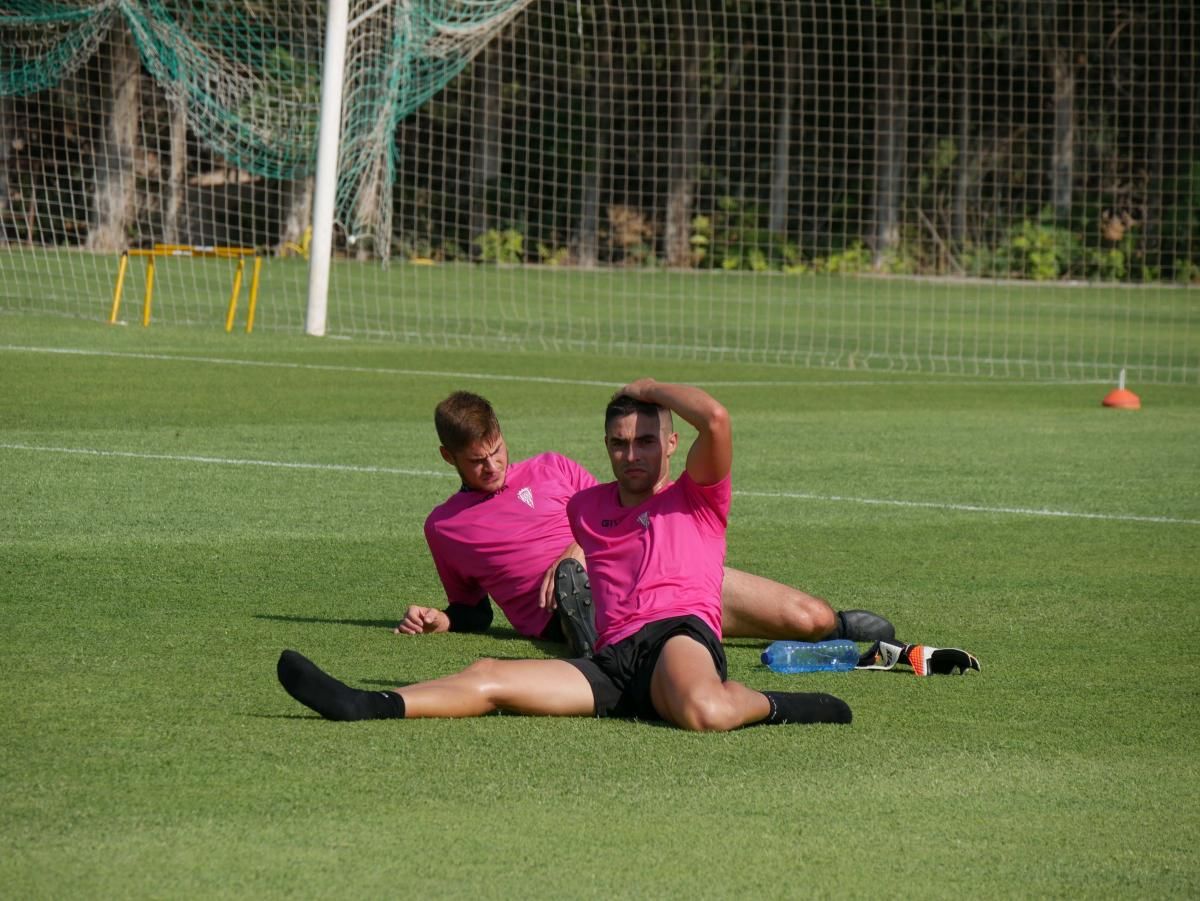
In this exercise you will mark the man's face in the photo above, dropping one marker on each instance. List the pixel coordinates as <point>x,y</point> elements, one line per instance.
<point>481,465</point>
<point>640,453</point>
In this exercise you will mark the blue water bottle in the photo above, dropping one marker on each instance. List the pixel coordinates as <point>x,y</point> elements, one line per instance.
<point>837,656</point>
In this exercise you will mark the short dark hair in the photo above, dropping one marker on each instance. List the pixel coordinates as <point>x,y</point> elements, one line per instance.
<point>624,405</point>
<point>464,418</point>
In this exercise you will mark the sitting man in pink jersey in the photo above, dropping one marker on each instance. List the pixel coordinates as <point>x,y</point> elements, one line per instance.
<point>505,535</point>
<point>655,551</point>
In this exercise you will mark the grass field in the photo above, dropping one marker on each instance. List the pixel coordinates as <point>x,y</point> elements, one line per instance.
<point>1028,330</point>
<point>180,505</point>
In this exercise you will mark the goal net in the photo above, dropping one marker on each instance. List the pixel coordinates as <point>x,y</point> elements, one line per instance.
<point>982,188</point>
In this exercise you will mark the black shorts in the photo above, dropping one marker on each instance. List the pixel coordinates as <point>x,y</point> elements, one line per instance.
<point>620,673</point>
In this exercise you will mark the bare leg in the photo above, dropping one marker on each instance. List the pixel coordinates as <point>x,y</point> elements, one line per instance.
<point>545,687</point>
<point>754,607</point>
<point>688,692</point>
<point>534,687</point>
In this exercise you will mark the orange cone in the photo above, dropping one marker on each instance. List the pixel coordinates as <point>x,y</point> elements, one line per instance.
<point>1121,397</point>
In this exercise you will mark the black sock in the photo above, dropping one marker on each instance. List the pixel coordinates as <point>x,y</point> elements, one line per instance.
<point>314,688</point>
<point>805,707</point>
<point>839,627</point>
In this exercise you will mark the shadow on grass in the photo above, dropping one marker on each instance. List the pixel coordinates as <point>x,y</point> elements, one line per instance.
<point>307,715</point>
<point>312,716</point>
<point>364,623</point>
<point>498,633</point>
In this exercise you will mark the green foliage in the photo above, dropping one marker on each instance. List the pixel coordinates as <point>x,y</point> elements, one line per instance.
<point>792,259</point>
<point>412,248</point>
<point>503,246</point>
<point>1181,222</point>
<point>701,239</point>
<point>550,255</point>
<point>1043,250</point>
<point>733,238</point>
<point>1187,272</point>
<point>1112,263</point>
<point>940,167</point>
<point>854,259</point>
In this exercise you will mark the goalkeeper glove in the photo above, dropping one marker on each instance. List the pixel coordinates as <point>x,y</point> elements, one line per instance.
<point>923,659</point>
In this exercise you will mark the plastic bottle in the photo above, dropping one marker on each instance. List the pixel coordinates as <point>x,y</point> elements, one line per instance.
<point>836,656</point>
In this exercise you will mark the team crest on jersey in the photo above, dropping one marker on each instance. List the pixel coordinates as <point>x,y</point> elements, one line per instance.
<point>644,519</point>
<point>526,496</point>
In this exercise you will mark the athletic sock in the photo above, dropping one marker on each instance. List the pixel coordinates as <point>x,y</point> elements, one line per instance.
<point>805,707</point>
<point>839,627</point>
<point>314,688</point>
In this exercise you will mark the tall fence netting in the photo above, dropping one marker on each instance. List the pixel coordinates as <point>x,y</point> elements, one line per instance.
<point>982,188</point>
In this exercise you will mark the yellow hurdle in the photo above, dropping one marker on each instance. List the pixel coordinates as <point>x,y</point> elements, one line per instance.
<point>191,250</point>
<point>253,302</point>
<point>149,292</point>
<point>233,296</point>
<point>116,304</point>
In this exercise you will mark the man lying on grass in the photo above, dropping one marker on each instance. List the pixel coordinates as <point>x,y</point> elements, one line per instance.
<point>505,535</point>
<point>655,551</point>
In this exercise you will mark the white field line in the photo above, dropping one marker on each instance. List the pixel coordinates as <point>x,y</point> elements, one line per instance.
<point>311,367</point>
<point>970,508</point>
<point>229,461</point>
<point>783,495</point>
<point>932,379</point>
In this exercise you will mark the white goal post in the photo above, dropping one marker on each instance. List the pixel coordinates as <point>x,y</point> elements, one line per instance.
<point>325,193</point>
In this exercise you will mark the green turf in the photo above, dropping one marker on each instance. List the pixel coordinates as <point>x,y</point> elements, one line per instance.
<point>1030,330</point>
<point>149,584</point>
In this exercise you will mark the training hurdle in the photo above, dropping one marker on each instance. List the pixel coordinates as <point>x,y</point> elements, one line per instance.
<point>192,250</point>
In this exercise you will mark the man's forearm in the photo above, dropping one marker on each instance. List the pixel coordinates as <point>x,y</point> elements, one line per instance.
<point>695,406</point>
<point>711,455</point>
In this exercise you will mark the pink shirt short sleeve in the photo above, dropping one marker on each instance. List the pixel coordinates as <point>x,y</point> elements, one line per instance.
<point>663,558</point>
<point>500,545</point>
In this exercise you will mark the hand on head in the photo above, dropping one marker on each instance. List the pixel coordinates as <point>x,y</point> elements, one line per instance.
<point>638,390</point>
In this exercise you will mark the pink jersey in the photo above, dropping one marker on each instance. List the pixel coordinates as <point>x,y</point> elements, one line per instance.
<point>501,544</point>
<point>660,559</point>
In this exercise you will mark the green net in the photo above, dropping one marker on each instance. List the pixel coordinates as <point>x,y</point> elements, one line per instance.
<point>42,42</point>
<point>248,75</point>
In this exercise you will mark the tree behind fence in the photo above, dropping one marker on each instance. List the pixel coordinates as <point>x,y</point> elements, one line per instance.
<point>895,184</point>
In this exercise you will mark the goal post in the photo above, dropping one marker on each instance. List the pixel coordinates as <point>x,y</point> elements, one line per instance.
<point>325,193</point>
